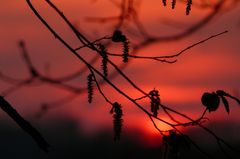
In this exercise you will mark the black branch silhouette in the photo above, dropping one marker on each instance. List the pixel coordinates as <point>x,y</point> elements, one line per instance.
<point>25,125</point>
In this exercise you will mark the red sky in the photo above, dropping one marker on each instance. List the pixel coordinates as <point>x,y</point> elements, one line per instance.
<point>207,67</point>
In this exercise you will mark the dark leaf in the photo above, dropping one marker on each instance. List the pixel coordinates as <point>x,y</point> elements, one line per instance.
<point>222,93</point>
<point>211,101</point>
<point>225,102</point>
<point>25,125</point>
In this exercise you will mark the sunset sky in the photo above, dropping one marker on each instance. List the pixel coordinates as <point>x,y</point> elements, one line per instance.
<point>207,67</point>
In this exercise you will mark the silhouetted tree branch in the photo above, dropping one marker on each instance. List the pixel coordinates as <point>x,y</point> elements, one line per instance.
<point>25,125</point>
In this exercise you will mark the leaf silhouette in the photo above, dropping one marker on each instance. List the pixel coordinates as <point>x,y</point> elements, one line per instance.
<point>211,101</point>
<point>225,102</point>
<point>25,125</point>
<point>223,93</point>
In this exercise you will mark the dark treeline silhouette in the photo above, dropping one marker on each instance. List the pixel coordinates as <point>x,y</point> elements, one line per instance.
<point>74,144</point>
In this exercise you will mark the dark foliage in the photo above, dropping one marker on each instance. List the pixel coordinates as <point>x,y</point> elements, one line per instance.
<point>212,100</point>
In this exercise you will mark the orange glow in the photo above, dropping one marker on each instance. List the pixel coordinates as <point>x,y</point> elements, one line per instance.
<point>162,126</point>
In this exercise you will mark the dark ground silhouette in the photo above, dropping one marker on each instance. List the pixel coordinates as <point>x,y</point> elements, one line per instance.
<point>67,142</point>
